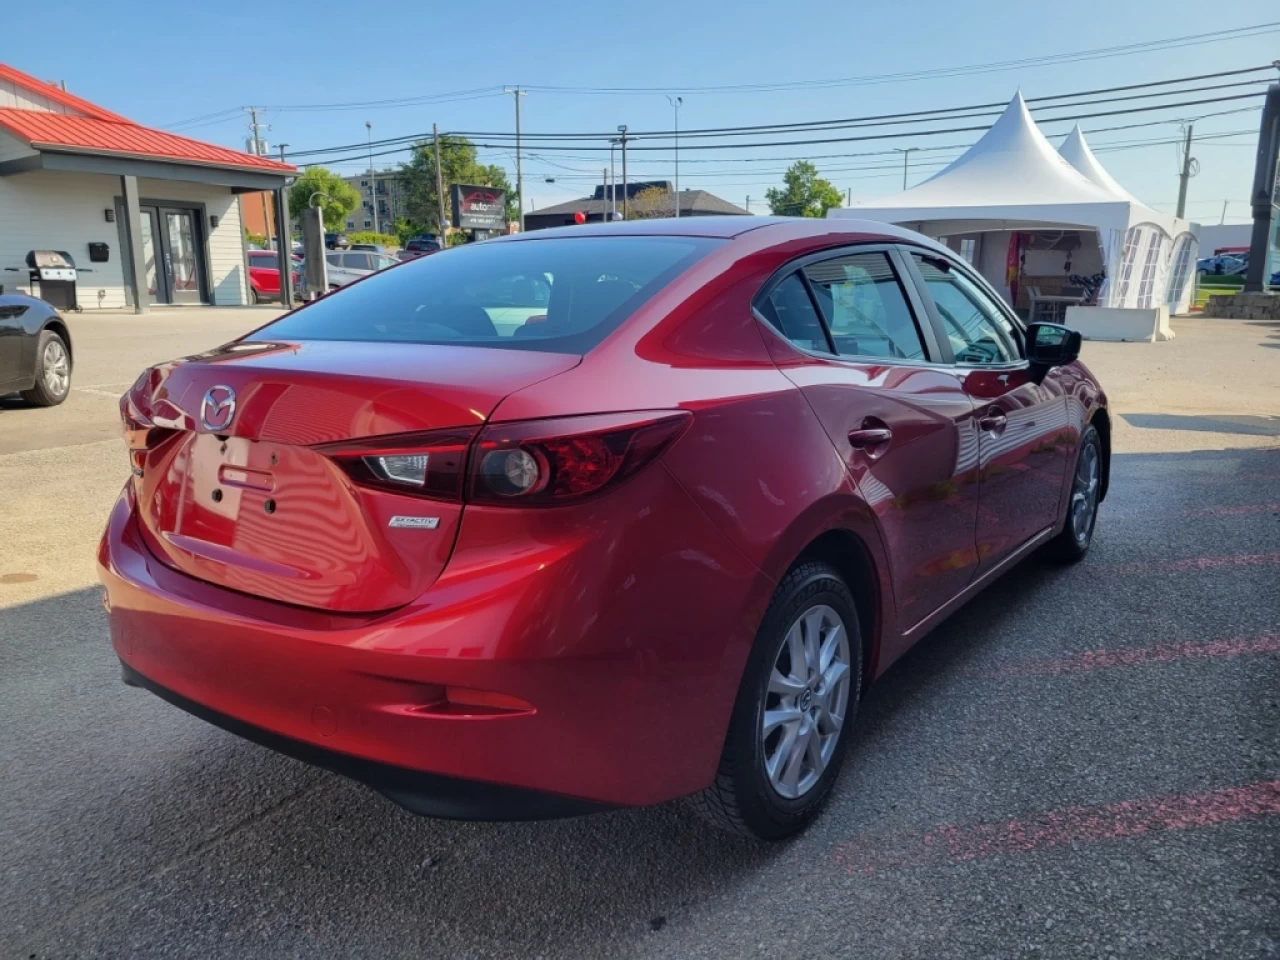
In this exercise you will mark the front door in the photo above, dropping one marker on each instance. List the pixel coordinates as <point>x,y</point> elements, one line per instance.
<point>172,253</point>
<point>1025,439</point>
<point>182,261</point>
<point>902,424</point>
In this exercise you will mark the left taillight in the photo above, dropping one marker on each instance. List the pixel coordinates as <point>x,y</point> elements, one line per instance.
<point>141,436</point>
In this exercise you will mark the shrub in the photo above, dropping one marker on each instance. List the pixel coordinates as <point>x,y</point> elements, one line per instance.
<point>368,236</point>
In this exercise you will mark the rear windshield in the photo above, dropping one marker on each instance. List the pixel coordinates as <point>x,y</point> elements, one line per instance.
<point>562,295</point>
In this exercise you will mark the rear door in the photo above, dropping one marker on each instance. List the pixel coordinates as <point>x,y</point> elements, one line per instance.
<point>866,362</point>
<point>264,269</point>
<point>1025,438</point>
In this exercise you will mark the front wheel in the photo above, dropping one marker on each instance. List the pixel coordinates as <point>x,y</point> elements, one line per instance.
<point>791,721</point>
<point>52,373</point>
<point>1082,510</point>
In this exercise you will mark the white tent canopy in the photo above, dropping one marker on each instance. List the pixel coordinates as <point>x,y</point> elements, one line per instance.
<point>1013,179</point>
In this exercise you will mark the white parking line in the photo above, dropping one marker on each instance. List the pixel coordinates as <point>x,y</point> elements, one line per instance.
<point>113,394</point>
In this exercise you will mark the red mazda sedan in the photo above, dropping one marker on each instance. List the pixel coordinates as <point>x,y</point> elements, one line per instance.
<point>595,517</point>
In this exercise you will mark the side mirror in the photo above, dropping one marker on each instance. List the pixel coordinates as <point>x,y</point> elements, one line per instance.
<point>1052,345</point>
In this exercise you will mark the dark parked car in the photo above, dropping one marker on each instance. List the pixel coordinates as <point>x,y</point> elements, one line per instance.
<point>35,351</point>
<point>421,246</point>
<point>336,241</point>
<point>598,516</point>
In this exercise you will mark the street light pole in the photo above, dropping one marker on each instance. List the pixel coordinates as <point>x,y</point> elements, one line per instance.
<point>518,93</point>
<point>675,106</point>
<point>373,191</point>
<point>622,129</point>
<point>906,152</point>
<point>613,183</point>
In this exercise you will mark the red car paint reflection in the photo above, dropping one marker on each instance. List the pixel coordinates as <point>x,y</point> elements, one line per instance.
<point>591,647</point>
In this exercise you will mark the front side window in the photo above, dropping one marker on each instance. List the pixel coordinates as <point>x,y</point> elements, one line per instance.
<point>265,261</point>
<point>562,295</point>
<point>979,331</point>
<point>865,307</point>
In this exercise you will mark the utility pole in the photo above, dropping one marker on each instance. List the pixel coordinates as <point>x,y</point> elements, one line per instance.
<point>444,227</point>
<point>1223,218</point>
<point>613,182</point>
<point>1187,174</point>
<point>518,93</point>
<point>906,152</point>
<point>622,129</point>
<point>675,106</point>
<point>748,203</point>
<point>259,149</point>
<point>848,197</point>
<point>604,196</point>
<point>373,189</point>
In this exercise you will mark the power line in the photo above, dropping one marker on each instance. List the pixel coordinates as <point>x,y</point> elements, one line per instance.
<point>991,67</point>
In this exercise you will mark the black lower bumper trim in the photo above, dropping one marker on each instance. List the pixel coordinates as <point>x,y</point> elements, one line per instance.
<point>428,794</point>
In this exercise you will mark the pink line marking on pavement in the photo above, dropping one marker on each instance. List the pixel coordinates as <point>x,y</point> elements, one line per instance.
<point>1131,656</point>
<point>1232,511</point>
<point>1069,826</point>
<point>1198,563</point>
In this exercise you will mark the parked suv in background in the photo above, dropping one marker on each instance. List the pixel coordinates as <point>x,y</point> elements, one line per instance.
<point>336,241</point>
<point>264,275</point>
<point>598,516</point>
<point>420,247</point>
<point>350,265</point>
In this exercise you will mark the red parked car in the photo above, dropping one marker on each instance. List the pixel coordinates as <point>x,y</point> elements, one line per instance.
<point>649,538</point>
<point>264,275</point>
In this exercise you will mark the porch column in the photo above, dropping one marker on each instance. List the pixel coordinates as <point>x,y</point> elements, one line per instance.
<point>284,252</point>
<point>136,276</point>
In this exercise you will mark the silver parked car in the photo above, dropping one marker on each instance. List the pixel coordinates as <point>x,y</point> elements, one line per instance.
<point>348,266</point>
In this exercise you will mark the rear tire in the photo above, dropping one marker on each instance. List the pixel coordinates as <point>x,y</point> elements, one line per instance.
<point>53,371</point>
<point>254,297</point>
<point>785,748</point>
<point>1073,542</point>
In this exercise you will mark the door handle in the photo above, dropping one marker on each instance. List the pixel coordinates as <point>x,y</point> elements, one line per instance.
<point>869,437</point>
<point>994,421</point>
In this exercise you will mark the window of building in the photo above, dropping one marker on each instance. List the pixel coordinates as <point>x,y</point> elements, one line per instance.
<point>368,224</point>
<point>968,249</point>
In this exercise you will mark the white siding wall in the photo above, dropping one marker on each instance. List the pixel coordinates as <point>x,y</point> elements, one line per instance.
<point>24,98</point>
<point>226,242</point>
<point>11,148</point>
<point>46,210</point>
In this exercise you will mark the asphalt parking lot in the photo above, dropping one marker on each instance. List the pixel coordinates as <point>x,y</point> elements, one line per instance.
<point>1084,762</point>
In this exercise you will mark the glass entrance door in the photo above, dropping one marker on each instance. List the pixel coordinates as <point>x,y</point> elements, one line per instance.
<point>153,280</point>
<point>181,257</point>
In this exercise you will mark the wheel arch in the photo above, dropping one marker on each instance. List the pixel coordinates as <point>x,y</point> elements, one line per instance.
<point>1101,421</point>
<point>849,554</point>
<point>59,326</point>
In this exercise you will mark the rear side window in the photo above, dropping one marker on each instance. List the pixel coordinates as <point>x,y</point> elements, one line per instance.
<point>559,294</point>
<point>789,308</point>
<point>865,307</point>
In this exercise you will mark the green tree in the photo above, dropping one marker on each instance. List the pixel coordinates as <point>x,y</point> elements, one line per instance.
<point>459,164</point>
<point>804,193</point>
<point>338,198</point>
<point>650,203</point>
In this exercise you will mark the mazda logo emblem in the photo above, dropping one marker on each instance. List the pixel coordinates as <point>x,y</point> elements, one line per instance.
<point>217,408</point>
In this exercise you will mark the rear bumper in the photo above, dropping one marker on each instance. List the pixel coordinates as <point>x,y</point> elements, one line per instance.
<point>429,794</point>
<point>628,649</point>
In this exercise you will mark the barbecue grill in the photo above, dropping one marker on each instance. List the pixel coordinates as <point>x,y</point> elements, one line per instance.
<point>54,273</point>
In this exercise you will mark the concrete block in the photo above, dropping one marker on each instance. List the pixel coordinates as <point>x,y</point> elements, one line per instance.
<point>1121,323</point>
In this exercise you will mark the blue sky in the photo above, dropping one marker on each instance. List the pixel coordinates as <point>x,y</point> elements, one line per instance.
<point>188,63</point>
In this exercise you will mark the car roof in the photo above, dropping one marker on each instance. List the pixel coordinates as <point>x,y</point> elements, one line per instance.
<point>728,227</point>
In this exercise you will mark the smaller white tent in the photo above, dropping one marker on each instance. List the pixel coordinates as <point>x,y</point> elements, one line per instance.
<point>1013,180</point>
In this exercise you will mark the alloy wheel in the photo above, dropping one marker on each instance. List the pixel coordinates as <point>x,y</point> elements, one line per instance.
<point>57,368</point>
<point>1084,493</point>
<point>808,695</point>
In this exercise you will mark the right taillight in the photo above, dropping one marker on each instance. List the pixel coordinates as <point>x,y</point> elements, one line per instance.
<point>551,462</point>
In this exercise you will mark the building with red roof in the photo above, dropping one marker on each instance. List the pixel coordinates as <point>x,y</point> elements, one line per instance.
<point>155,216</point>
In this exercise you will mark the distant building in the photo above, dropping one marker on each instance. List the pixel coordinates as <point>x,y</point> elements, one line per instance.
<point>693,203</point>
<point>386,193</point>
